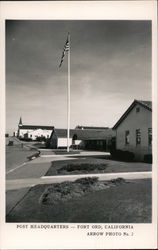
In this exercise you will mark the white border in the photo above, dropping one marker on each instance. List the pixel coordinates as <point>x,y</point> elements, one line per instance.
<point>145,235</point>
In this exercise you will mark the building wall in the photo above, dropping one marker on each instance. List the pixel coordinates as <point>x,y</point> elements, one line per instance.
<point>22,132</point>
<point>53,140</point>
<point>135,120</point>
<point>103,145</point>
<point>56,142</point>
<point>38,133</point>
<point>96,145</point>
<point>62,142</point>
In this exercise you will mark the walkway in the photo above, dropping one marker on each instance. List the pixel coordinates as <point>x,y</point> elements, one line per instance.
<point>29,182</point>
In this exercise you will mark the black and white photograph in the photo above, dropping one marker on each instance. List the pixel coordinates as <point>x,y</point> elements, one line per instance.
<point>79,125</point>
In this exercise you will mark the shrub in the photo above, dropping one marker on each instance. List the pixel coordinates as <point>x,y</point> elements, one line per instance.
<point>82,167</point>
<point>122,155</point>
<point>117,181</point>
<point>10,143</point>
<point>25,139</point>
<point>148,158</point>
<point>128,156</point>
<point>41,138</point>
<point>87,180</point>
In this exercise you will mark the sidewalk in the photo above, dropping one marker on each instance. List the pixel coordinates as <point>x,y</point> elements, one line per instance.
<point>29,182</point>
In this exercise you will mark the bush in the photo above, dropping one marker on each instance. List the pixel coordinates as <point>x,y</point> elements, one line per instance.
<point>128,156</point>
<point>82,167</point>
<point>41,138</point>
<point>117,181</point>
<point>148,158</point>
<point>87,180</point>
<point>10,143</point>
<point>25,139</point>
<point>122,155</point>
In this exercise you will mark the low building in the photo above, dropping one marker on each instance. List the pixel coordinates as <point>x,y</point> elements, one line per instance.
<point>82,138</point>
<point>90,127</point>
<point>38,133</point>
<point>58,138</point>
<point>134,130</point>
<point>93,138</point>
<point>33,132</point>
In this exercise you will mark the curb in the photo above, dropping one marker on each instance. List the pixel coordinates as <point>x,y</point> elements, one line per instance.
<point>32,157</point>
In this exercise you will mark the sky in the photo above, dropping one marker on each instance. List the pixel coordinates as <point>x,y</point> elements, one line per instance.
<point>110,67</point>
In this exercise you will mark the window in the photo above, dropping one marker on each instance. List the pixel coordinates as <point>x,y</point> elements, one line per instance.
<point>138,137</point>
<point>137,109</point>
<point>149,136</point>
<point>127,137</point>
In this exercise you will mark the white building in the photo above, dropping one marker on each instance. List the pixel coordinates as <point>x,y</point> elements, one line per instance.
<point>34,134</point>
<point>33,131</point>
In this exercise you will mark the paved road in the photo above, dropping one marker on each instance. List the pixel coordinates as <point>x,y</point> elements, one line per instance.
<point>17,154</point>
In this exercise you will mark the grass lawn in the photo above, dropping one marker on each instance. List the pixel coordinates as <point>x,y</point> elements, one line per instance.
<point>87,165</point>
<point>13,196</point>
<point>127,202</point>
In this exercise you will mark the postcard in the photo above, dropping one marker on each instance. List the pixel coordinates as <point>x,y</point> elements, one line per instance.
<point>78,125</point>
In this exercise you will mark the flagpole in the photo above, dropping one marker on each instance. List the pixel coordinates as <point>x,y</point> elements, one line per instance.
<point>68,97</point>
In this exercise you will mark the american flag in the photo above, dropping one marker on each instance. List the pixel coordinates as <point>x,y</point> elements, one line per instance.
<point>65,49</point>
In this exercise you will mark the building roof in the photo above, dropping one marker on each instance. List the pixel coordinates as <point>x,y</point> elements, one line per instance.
<point>62,133</point>
<point>146,104</point>
<point>93,134</point>
<point>36,127</point>
<point>90,127</point>
<point>85,134</point>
